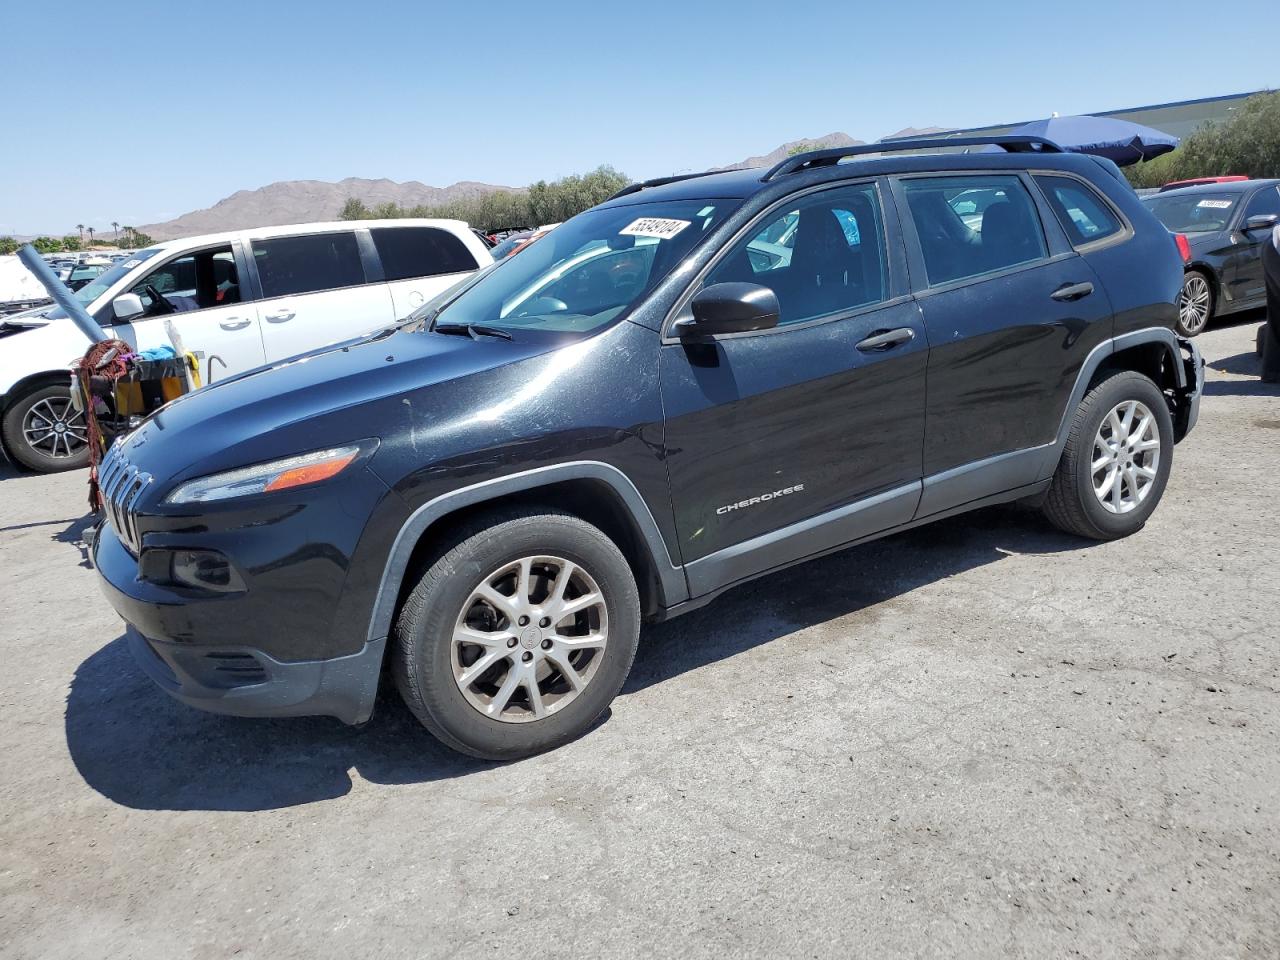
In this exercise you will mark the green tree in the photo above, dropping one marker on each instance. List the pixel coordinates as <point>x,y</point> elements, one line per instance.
<point>116,227</point>
<point>354,209</point>
<point>1248,144</point>
<point>8,245</point>
<point>71,242</point>
<point>141,239</point>
<point>90,229</point>
<point>80,227</point>
<point>47,245</point>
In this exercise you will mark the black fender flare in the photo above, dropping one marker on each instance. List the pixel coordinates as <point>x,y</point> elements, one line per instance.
<point>671,577</point>
<point>1103,352</point>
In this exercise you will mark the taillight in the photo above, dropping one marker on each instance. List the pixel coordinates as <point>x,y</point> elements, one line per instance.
<point>1184,246</point>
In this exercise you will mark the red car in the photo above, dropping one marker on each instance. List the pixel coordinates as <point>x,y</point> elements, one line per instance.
<point>1199,181</point>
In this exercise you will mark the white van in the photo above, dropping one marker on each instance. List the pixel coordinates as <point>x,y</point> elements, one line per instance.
<point>238,300</point>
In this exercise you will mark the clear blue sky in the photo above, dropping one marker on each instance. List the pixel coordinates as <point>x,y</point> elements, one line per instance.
<point>235,94</point>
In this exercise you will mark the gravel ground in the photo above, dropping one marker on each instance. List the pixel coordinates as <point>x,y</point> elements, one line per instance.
<point>979,739</point>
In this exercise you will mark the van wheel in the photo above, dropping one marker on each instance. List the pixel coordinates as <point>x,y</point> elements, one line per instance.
<point>1116,462</point>
<point>519,636</point>
<point>44,433</point>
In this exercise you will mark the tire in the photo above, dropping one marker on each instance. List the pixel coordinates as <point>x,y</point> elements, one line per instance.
<point>63,447</point>
<point>1075,501</point>
<point>431,667</point>
<point>1196,303</point>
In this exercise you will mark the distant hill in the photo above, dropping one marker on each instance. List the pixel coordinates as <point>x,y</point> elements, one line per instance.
<point>916,132</point>
<point>795,146</point>
<point>303,201</point>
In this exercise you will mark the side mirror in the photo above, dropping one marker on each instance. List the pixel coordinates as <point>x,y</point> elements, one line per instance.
<point>127,306</point>
<point>1261,221</point>
<point>724,308</point>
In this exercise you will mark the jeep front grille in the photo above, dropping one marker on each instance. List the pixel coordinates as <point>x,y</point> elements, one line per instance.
<point>121,484</point>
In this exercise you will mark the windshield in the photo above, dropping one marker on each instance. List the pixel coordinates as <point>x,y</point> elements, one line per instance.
<point>1194,213</point>
<point>586,273</point>
<point>102,283</point>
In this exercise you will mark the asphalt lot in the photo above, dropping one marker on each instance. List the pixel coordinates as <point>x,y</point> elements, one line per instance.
<point>978,739</point>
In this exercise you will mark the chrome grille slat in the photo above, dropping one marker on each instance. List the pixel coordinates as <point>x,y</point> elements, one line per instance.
<point>121,485</point>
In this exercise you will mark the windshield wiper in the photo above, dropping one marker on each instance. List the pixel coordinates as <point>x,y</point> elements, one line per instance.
<point>472,330</point>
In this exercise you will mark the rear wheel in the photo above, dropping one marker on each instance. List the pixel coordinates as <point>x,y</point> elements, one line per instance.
<point>519,636</point>
<point>1116,462</point>
<point>1195,303</point>
<point>43,432</point>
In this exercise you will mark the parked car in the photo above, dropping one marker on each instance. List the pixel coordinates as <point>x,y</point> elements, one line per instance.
<point>636,414</point>
<point>85,273</point>
<point>1225,225</point>
<point>238,299</point>
<point>1198,181</point>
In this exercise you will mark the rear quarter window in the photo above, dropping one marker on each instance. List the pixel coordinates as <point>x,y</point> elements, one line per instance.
<point>295,265</point>
<point>1084,215</point>
<point>408,253</point>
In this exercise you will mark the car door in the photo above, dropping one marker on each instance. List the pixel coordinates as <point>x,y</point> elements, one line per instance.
<point>1011,310</point>
<point>786,442</point>
<point>419,262</point>
<point>1248,283</point>
<point>200,293</point>
<point>315,291</point>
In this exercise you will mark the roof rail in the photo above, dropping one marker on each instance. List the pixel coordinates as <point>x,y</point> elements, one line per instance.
<point>1012,143</point>
<point>658,182</point>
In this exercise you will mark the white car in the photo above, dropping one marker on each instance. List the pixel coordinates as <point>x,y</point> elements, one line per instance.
<point>238,300</point>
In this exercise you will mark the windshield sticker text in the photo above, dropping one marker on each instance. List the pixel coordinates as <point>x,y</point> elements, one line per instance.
<point>1214,204</point>
<point>653,227</point>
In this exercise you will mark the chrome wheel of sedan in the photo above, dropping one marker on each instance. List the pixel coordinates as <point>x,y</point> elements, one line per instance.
<point>53,427</point>
<point>1126,457</point>
<point>1194,303</point>
<point>529,639</point>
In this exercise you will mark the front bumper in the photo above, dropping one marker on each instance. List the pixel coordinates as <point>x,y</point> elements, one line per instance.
<point>237,679</point>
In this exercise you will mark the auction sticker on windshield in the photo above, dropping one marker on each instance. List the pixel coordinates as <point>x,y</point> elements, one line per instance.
<point>1214,204</point>
<point>658,227</point>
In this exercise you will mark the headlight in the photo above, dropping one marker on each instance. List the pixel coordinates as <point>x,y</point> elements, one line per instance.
<point>267,477</point>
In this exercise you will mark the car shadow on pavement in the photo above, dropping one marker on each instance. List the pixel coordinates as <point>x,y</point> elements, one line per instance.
<point>138,748</point>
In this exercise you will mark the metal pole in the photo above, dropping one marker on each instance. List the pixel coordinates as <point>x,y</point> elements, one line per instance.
<point>61,295</point>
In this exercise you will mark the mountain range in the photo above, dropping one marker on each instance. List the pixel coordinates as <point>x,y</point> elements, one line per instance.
<point>302,201</point>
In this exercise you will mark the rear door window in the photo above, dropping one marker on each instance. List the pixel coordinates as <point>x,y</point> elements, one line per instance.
<point>289,266</point>
<point>1083,214</point>
<point>970,226</point>
<point>408,253</point>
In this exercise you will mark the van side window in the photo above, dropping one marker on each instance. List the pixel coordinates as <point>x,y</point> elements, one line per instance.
<point>319,261</point>
<point>969,226</point>
<point>408,253</point>
<point>1082,213</point>
<point>824,256</point>
<point>196,281</point>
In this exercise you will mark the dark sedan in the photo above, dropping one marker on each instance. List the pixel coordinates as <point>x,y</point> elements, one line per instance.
<point>1225,225</point>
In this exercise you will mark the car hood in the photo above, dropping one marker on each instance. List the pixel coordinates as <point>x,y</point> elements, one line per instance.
<point>318,399</point>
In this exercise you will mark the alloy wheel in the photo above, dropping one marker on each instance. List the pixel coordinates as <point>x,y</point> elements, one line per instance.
<point>1193,303</point>
<point>529,639</point>
<point>52,427</point>
<point>1126,457</point>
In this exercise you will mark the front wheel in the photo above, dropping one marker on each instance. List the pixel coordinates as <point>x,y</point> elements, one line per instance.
<point>43,432</point>
<point>1116,462</point>
<point>517,638</point>
<point>1195,303</point>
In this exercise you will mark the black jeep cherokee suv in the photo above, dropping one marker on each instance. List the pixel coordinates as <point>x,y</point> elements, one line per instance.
<point>699,381</point>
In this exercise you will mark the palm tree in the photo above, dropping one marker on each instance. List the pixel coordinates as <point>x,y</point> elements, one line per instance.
<point>116,227</point>
<point>90,229</point>
<point>80,227</point>
<point>128,235</point>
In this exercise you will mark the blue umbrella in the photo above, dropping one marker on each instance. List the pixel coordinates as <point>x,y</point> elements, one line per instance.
<point>1117,140</point>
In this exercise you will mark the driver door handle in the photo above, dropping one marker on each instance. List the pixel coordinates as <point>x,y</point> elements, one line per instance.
<point>1073,291</point>
<point>886,339</point>
<point>234,323</point>
<point>280,316</point>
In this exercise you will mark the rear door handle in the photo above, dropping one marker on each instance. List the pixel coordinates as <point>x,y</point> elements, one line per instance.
<point>886,339</point>
<point>280,316</point>
<point>234,323</point>
<point>1073,291</point>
